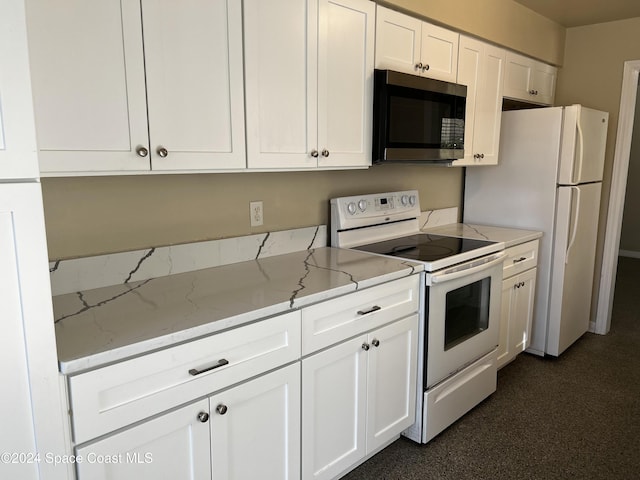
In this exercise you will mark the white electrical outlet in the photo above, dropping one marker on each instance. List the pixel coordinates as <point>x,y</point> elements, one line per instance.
<point>255,209</point>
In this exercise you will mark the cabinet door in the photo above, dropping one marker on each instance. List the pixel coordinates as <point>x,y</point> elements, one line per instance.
<point>398,41</point>
<point>522,311</point>
<point>469,70</point>
<point>391,387</point>
<point>518,77</point>
<point>88,82</point>
<point>32,399</point>
<point>439,53</point>
<point>255,428</point>
<point>193,62</point>
<point>174,445</point>
<point>280,45</point>
<point>333,409</point>
<point>345,82</point>
<point>14,370</point>
<point>18,156</point>
<point>544,82</point>
<point>488,107</point>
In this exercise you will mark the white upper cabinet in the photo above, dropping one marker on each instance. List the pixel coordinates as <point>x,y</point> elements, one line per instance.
<point>309,83</point>
<point>407,44</point>
<point>88,66</point>
<point>193,61</point>
<point>18,156</point>
<point>481,69</point>
<point>529,80</point>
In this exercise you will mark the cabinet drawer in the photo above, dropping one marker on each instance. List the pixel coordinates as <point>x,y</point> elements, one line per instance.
<point>112,397</point>
<point>520,258</point>
<point>335,320</point>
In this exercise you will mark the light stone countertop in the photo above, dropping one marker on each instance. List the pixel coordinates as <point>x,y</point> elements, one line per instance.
<point>103,325</point>
<point>510,236</point>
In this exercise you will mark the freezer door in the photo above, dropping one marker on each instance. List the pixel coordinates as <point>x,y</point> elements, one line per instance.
<point>584,140</point>
<point>573,265</point>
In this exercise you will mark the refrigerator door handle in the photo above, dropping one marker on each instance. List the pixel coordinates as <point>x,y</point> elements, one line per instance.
<point>581,146</point>
<point>574,228</point>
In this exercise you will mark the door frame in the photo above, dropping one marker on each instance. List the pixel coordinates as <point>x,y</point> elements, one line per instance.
<point>617,196</point>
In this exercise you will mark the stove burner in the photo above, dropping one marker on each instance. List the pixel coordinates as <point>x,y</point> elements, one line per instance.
<point>424,247</point>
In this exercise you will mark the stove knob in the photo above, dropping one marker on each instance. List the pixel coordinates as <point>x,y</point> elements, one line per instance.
<point>412,200</point>
<point>404,200</point>
<point>351,208</point>
<point>362,205</point>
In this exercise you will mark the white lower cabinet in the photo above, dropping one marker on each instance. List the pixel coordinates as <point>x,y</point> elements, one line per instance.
<point>255,428</point>
<point>518,295</point>
<point>247,432</point>
<point>173,445</point>
<point>356,397</point>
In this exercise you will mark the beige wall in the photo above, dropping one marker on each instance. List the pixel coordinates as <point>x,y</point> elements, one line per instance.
<point>89,216</point>
<point>630,237</point>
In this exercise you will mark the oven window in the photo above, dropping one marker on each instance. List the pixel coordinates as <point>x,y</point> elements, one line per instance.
<point>467,312</point>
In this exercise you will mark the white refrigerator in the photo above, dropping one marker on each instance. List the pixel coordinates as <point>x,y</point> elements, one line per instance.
<point>548,178</point>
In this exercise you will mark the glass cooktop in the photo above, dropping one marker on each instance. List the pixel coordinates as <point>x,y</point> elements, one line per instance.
<point>425,247</point>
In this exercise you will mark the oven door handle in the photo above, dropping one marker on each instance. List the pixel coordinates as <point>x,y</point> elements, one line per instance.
<point>468,269</point>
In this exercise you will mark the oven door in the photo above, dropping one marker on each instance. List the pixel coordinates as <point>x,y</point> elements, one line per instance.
<point>462,315</point>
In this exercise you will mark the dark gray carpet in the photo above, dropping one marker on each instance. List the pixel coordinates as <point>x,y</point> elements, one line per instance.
<point>577,416</point>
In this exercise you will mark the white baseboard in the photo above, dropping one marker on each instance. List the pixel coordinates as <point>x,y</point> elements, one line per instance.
<point>628,253</point>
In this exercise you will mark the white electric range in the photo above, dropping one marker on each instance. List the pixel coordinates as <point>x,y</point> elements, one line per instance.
<point>460,305</point>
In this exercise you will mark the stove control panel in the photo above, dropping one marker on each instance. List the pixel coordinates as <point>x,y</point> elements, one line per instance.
<point>363,219</point>
<point>363,210</point>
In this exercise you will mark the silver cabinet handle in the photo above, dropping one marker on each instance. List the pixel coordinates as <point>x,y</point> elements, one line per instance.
<point>365,346</point>
<point>142,151</point>
<point>163,152</point>
<point>203,417</point>
<point>325,153</point>
<point>375,308</point>
<point>375,342</point>
<point>426,67</point>
<point>222,409</point>
<point>481,155</point>
<point>518,260</point>
<point>221,363</point>
<point>419,66</point>
<point>314,153</point>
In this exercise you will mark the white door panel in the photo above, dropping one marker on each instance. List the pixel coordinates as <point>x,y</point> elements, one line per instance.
<point>193,61</point>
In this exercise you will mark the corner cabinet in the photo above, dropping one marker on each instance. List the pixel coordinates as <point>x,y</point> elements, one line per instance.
<point>481,69</point>
<point>309,83</point>
<point>518,295</point>
<point>137,86</point>
<point>407,44</point>
<point>529,80</point>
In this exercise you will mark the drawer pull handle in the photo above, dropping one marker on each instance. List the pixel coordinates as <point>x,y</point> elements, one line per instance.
<point>521,259</point>
<point>375,308</point>
<point>221,363</point>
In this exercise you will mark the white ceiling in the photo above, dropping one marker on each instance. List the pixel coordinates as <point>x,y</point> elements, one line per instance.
<point>574,13</point>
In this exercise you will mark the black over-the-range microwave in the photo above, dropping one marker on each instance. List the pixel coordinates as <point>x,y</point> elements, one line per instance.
<point>417,119</point>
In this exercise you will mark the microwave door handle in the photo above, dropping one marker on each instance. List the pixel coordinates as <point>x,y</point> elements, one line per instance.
<point>445,277</point>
